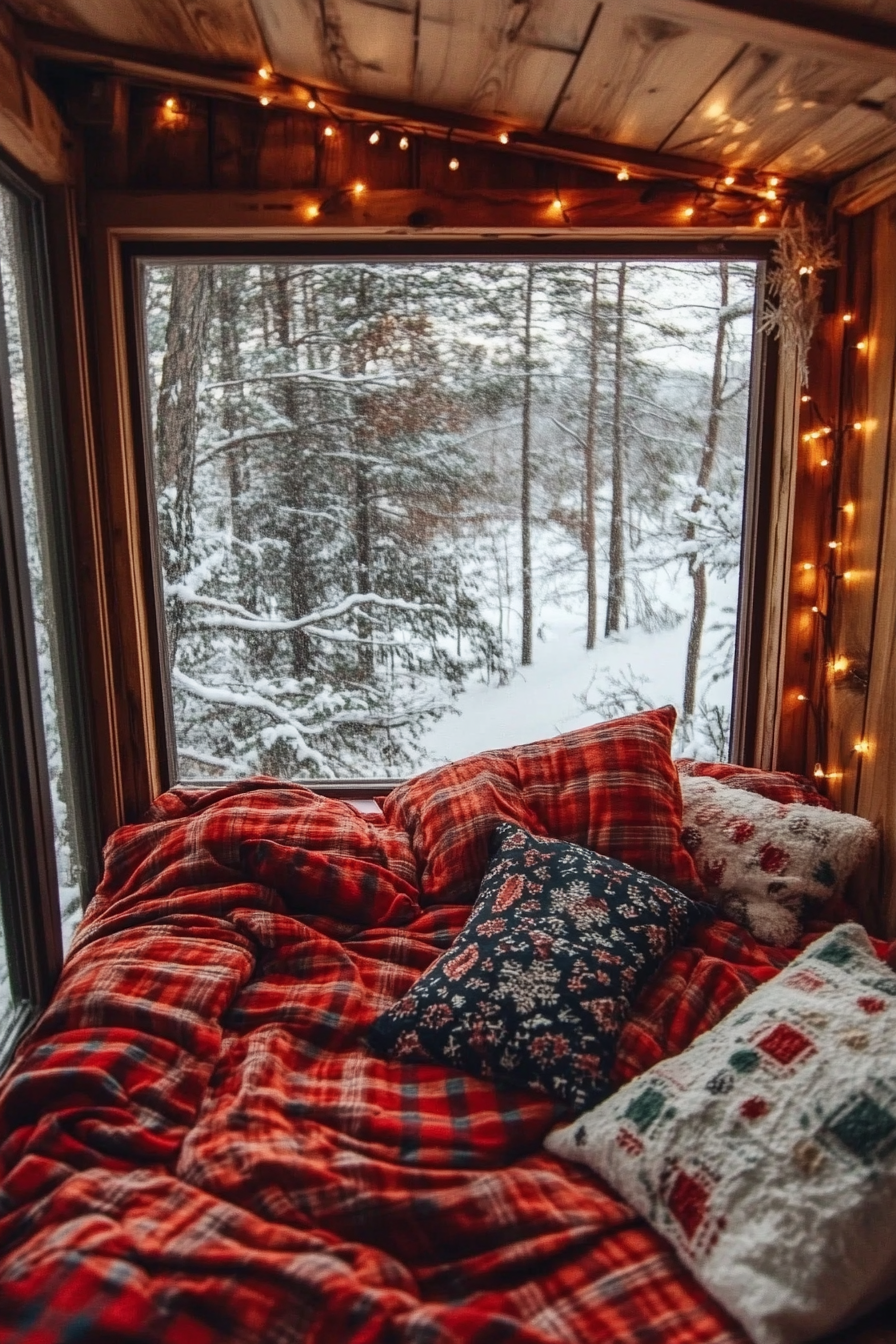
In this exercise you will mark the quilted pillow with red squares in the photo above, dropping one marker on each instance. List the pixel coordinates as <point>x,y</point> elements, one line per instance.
<point>537,987</point>
<point>766,1151</point>
<point>611,787</point>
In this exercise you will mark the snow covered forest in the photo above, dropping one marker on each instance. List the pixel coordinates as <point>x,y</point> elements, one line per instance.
<point>412,510</point>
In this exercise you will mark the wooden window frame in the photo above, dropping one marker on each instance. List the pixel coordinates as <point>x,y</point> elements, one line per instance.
<point>125,227</point>
<point>27,842</point>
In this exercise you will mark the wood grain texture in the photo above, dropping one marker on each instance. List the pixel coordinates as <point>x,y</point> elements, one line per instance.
<point>854,136</point>
<point>346,44</point>
<point>498,58</point>
<point>31,131</point>
<point>866,188</point>
<point>219,29</point>
<point>640,74</point>
<point>769,100</point>
<point>876,793</point>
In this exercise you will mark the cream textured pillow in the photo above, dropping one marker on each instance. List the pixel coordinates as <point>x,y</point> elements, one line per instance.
<point>762,862</point>
<point>766,1151</point>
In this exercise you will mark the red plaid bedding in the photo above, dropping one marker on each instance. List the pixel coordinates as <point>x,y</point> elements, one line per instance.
<point>197,1147</point>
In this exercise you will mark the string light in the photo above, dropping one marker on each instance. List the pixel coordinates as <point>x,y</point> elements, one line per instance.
<point>622,175</point>
<point>847,575</point>
<point>834,545</point>
<point>762,217</point>
<point>847,317</point>
<point>688,212</point>
<point>504,138</point>
<point>171,105</point>
<point>840,664</point>
<point>816,610</point>
<point>264,72</point>
<point>773,181</point>
<point>358,188</point>
<point>374,138</point>
<point>329,131</point>
<point>404,143</point>
<point>824,462</point>
<point>311,104</point>
<point>729,181</point>
<point>771,195</point>
<point>312,212</point>
<point>806,270</point>
<point>454,164</point>
<point>802,697</point>
<point>818,772</point>
<point>858,424</point>
<point>807,565</point>
<point>557,204</point>
<point>863,746</point>
<point>264,100</point>
<point>849,508</point>
<point>805,397</point>
<point>861,345</point>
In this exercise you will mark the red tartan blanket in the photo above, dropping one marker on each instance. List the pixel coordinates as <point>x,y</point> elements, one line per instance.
<point>196,1146</point>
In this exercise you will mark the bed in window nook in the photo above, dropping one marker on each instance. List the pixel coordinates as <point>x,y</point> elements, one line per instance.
<point>446,633</point>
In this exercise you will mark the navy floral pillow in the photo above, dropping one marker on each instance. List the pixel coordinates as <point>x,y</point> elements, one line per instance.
<point>536,988</point>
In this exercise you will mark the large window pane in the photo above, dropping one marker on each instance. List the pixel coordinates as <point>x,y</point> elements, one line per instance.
<point>408,511</point>
<point>29,416</point>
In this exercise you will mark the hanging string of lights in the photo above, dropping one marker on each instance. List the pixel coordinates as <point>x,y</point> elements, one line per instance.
<point>728,198</point>
<point>827,445</point>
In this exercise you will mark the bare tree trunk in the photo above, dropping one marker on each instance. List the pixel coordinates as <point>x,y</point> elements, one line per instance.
<point>177,421</point>
<point>590,537</point>
<point>696,567</point>
<point>526,474</point>
<point>299,596</point>
<point>231,420</point>
<point>616,584</point>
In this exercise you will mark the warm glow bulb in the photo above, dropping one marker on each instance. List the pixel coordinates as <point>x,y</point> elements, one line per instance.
<point>771,195</point>
<point>358,188</point>
<point>328,131</point>
<point>312,212</point>
<point>374,138</point>
<point>847,574</point>
<point>404,142</point>
<point>805,397</point>
<point>861,345</point>
<point>815,609</point>
<point>729,181</point>
<point>807,564</point>
<point>825,429</point>
<point>689,212</point>
<point>762,217</point>
<point>807,438</point>
<point>311,104</point>
<point>773,181</point>
<point>839,665</point>
<point>504,138</point>
<point>264,72</point>
<point>834,545</point>
<point>264,100</point>
<point>556,203</point>
<point>863,746</point>
<point>622,175</point>
<point>849,509</point>
<point>802,697</point>
<point>171,104</point>
<point>847,317</point>
<point>454,164</point>
<point>824,462</point>
<point>858,424</point>
<point>818,772</point>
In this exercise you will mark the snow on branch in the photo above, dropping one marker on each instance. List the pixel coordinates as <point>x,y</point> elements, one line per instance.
<point>223,695</point>
<point>237,617</point>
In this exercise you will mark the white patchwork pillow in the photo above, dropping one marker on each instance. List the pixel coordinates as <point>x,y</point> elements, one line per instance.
<point>766,1151</point>
<point>762,862</point>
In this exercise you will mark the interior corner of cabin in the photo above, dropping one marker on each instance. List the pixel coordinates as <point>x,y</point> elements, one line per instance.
<point>447,623</point>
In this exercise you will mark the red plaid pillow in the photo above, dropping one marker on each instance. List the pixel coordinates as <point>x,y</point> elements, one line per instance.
<point>611,787</point>
<point>779,785</point>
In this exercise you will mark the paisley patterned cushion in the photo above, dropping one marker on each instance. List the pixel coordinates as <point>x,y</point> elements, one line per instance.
<point>766,1151</point>
<point>537,986</point>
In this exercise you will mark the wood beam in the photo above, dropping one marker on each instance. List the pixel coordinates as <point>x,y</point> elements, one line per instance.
<point>868,187</point>
<point>31,131</point>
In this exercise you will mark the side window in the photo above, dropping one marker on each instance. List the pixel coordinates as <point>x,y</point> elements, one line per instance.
<point>43,841</point>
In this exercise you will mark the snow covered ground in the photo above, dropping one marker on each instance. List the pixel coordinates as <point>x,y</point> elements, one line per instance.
<point>553,694</point>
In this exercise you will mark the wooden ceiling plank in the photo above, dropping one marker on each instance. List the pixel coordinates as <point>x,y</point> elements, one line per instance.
<point>348,44</point>
<point>220,29</point>
<point>767,101</point>
<point>821,30</point>
<point>852,138</point>
<point>496,58</point>
<point>637,76</point>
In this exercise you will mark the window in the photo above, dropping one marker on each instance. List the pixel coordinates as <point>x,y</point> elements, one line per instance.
<point>408,510</point>
<point>44,847</point>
